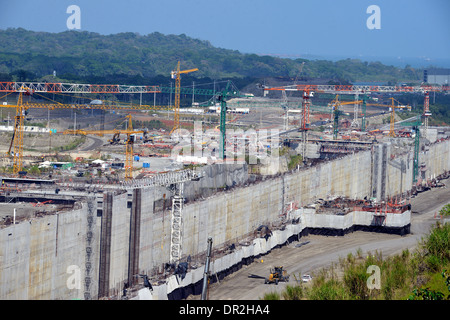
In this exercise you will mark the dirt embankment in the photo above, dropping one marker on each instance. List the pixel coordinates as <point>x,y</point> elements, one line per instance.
<point>42,142</point>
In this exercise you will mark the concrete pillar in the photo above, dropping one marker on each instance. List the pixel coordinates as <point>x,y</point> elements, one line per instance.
<point>105,246</point>
<point>379,168</point>
<point>135,228</point>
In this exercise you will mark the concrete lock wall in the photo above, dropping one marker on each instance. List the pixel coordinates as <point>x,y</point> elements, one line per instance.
<point>436,158</point>
<point>87,254</point>
<point>114,244</point>
<point>45,258</point>
<point>307,218</point>
<point>231,215</point>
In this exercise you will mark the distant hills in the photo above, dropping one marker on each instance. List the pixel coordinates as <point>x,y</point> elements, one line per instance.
<point>132,58</point>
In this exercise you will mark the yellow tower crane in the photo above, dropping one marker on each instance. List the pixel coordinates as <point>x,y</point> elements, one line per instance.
<point>176,75</point>
<point>129,142</point>
<point>17,139</point>
<point>393,107</point>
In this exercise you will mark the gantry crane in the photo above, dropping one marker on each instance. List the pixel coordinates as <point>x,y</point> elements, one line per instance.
<point>393,107</point>
<point>177,76</point>
<point>129,142</point>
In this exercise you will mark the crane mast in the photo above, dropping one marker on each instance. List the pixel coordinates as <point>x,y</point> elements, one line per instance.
<point>304,126</point>
<point>129,150</point>
<point>335,104</point>
<point>18,135</point>
<point>426,113</point>
<point>176,109</point>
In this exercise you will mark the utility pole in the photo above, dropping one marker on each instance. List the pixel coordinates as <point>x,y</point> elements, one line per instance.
<point>355,123</point>
<point>193,90</point>
<point>170,99</point>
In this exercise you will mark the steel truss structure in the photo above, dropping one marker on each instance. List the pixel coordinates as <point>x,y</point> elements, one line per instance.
<point>358,89</point>
<point>43,87</point>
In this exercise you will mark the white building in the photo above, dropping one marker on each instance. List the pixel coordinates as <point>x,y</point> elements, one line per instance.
<point>438,76</point>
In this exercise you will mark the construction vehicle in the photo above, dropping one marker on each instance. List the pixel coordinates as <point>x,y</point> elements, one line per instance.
<point>277,274</point>
<point>115,139</point>
<point>146,138</point>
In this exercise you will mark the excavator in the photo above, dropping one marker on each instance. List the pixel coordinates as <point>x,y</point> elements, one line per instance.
<point>115,139</point>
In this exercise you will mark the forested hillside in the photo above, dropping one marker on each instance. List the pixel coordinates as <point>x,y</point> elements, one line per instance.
<point>133,58</point>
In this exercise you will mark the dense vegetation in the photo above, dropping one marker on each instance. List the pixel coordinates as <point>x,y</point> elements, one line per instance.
<point>419,275</point>
<point>131,58</point>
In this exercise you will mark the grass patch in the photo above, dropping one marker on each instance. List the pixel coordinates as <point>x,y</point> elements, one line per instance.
<point>272,296</point>
<point>294,161</point>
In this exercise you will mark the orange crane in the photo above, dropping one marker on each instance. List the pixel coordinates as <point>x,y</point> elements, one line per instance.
<point>129,142</point>
<point>176,75</point>
<point>393,107</point>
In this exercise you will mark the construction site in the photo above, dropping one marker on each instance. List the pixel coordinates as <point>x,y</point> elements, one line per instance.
<point>96,203</point>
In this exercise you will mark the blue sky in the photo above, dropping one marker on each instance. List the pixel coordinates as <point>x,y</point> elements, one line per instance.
<point>418,29</point>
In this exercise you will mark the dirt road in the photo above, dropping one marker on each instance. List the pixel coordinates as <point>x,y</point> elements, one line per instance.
<point>92,143</point>
<point>322,251</point>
